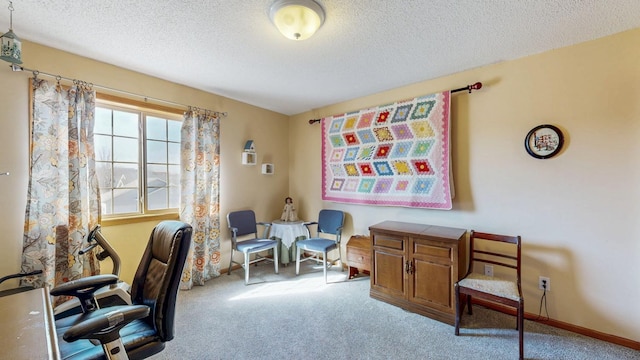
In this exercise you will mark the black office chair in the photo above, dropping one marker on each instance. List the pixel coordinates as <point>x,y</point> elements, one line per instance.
<point>139,330</point>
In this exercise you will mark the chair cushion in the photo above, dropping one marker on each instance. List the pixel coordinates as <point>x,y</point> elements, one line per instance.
<point>137,337</point>
<point>491,285</point>
<point>256,245</point>
<point>316,244</point>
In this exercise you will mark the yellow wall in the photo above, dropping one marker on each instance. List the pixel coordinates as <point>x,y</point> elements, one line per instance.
<point>577,213</point>
<point>241,186</point>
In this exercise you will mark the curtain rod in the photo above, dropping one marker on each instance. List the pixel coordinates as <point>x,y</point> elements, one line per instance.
<point>18,68</point>
<point>475,86</point>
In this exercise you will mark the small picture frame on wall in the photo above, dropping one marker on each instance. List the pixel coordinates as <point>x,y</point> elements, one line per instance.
<point>544,141</point>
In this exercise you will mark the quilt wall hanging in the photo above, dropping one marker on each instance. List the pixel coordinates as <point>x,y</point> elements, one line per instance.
<point>391,155</point>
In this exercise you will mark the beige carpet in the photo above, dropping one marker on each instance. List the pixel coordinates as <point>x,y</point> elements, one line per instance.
<point>288,317</point>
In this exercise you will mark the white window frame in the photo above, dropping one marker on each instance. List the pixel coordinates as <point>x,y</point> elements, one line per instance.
<point>142,110</point>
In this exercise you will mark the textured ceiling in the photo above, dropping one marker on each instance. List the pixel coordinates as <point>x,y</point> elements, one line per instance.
<point>230,47</point>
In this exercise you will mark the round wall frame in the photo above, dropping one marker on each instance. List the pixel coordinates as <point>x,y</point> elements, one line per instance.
<point>544,141</point>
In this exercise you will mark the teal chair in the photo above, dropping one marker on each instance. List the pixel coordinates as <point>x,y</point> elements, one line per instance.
<point>330,223</point>
<point>242,224</point>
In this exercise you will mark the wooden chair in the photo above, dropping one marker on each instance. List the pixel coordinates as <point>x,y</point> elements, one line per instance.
<point>502,251</point>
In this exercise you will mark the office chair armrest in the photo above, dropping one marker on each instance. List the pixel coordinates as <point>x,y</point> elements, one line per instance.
<point>18,289</point>
<point>84,288</point>
<point>13,276</point>
<point>104,325</point>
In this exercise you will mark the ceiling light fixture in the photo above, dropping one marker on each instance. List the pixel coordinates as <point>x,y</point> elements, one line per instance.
<point>297,19</point>
<point>11,46</point>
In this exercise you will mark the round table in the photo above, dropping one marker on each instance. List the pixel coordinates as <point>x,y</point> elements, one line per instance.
<point>287,232</point>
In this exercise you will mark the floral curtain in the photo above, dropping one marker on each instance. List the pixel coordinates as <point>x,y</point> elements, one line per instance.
<point>199,195</point>
<point>63,198</point>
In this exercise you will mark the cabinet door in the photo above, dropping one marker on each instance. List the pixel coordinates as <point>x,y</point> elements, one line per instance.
<point>432,280</point>
<point>388,275</point>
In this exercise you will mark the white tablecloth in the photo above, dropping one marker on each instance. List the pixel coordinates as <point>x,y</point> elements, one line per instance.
<point>288,231</point>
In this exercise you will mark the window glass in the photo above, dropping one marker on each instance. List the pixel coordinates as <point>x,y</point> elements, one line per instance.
<point>125,175</point>
<point>157,198</point>
<point>102,147</point>
<point>137,152</point>
<point>156,175</point>
<point>125,149</point>
<point>125,201</point>
<point>156,128</point>
<point>125,123</point>
<point>174,197</point>
<point>156,151</point>
<point>174,175</point>
<point>174,153</point>
<point>103,121</point>
<point>174,130</point>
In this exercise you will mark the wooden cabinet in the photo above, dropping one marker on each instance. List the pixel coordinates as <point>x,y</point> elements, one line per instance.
<point>414,266</point>
<point>358,255</point>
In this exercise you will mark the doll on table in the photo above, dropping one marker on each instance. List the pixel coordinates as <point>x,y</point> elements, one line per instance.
<point>289,211</point>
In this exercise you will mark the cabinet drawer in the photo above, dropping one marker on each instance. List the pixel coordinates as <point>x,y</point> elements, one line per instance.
<point>359,252</point>
<point>360,265</point>
<point>392,242</point>
<point>432,250</point>
<point>359,258</point>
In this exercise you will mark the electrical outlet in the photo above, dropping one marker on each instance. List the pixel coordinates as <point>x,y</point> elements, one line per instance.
<point>488,270</point>
<point>544,283</point>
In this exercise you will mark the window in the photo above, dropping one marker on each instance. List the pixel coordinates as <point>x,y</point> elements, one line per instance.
<point>137,160</point>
